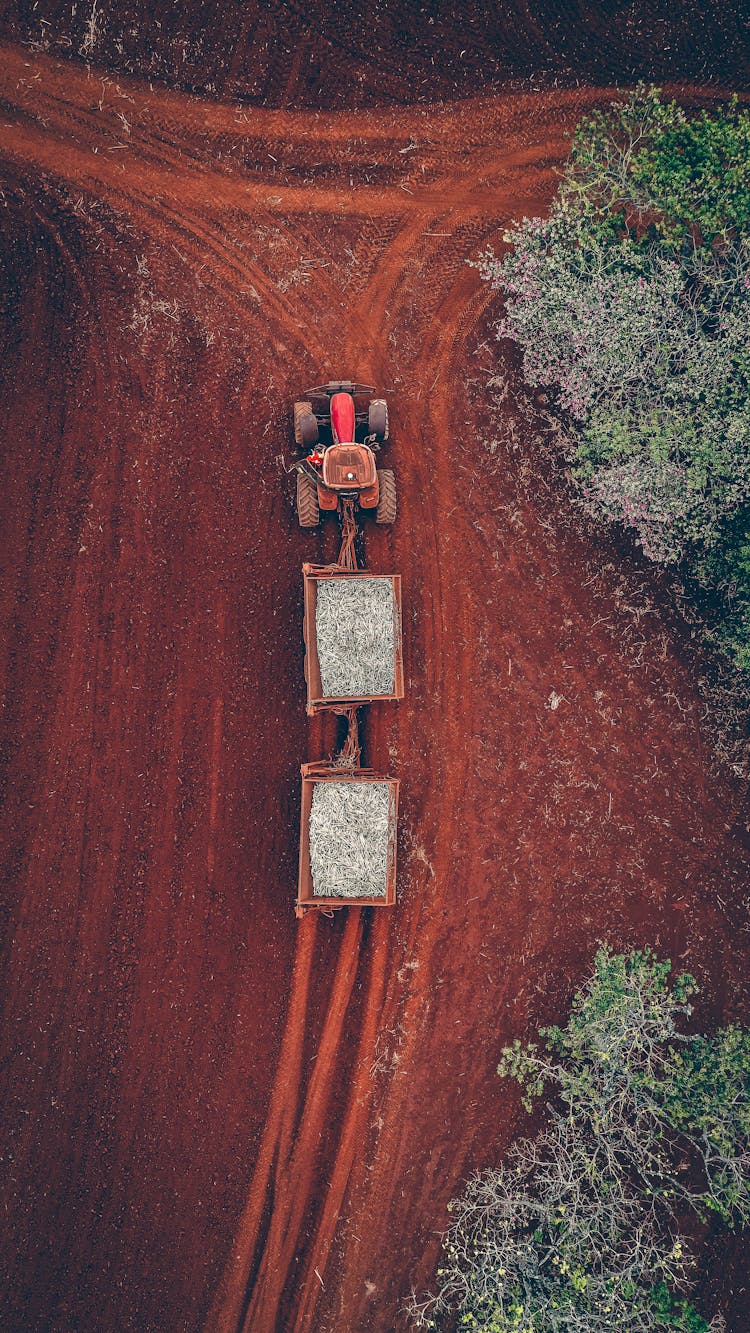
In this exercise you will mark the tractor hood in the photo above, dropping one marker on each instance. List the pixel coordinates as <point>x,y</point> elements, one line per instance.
<point>343,419</point>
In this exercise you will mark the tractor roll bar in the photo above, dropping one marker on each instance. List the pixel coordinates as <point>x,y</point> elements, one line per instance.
<point>339,386</point>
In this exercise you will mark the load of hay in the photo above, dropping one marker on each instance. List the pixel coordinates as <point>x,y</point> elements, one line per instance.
<point>354,621</point>
<point>349,838</point>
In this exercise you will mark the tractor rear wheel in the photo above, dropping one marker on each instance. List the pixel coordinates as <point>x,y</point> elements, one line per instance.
<point>377,419</point>
<point>308,509</point>
<point>305,426</point>
<point>386,511</point>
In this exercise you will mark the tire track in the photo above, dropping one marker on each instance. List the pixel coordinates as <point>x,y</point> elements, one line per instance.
<point>295,1165</point>
<point>226,1312</point>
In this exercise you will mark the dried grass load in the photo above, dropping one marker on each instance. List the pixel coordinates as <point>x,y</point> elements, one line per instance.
<point>355,634</point>
<point>349,837</point>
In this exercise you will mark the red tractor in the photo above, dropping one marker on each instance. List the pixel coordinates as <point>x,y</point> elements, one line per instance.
<point>337,467</point>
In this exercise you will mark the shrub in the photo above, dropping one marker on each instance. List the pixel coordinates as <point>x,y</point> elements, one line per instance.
<point>579,1231</point>
<point>645,166</point>
<point>726,567</point>
<point>631,302</point>
<point>593,320</point>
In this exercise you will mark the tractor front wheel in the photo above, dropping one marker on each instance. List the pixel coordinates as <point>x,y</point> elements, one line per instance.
<point>305,426</point>
<point>386,511</point>
<point>308,509</point>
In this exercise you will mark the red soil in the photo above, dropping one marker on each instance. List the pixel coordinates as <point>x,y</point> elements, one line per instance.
<point>341,53</point>
<point>217,1118</point>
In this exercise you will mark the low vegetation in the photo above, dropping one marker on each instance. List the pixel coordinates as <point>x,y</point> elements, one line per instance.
<point>631,303</point>
<point>586,1227</point>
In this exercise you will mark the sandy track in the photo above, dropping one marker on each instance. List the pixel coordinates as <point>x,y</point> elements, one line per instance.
<point>222,1119</point>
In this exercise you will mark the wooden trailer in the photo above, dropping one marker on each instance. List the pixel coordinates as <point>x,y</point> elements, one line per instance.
<point>313,576</point>
<point>307,899</point>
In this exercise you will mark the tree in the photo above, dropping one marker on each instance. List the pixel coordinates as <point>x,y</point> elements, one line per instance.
<point>631,302</point>
<point>645,167</point>
<point>579,1231</point>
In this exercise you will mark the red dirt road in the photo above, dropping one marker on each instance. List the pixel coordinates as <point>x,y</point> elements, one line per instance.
<point>218,1118</point>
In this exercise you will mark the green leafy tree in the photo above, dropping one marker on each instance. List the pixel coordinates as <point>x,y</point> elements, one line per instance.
<point>631,302</point>
<point>579,1231</point>
<point>645,167</point>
